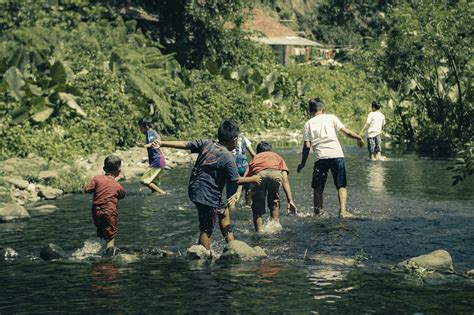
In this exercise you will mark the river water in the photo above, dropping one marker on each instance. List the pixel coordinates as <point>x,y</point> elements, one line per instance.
<point>404,207</point>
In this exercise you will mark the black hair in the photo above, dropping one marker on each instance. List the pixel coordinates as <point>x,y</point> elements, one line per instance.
<point>263,146</point>
<point>376,105</point>
<point>145,123</point>
<point>315,105</point>
<point>228,130</point>
<point>112,164</point>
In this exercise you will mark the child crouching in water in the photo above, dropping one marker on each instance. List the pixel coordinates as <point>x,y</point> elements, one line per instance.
<point>274,172</point>
<point>107,191</point>
<point>215,165</point>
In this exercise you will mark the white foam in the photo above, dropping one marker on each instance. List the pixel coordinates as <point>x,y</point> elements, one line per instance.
<point>90,248</point>
<point>272,227</point>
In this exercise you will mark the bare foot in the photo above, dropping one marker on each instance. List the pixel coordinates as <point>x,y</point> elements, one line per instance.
<point>345,215</point>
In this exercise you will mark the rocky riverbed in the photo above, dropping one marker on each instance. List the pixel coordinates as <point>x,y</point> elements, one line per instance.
<point>25,182</point>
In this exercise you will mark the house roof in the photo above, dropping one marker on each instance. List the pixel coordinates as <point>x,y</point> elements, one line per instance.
<point>274,32</point>
<point>287,40</point>
<point>267,25</point>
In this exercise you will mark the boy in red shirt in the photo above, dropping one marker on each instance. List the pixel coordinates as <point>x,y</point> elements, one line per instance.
<point>107,191</point>
<point>274,172</point>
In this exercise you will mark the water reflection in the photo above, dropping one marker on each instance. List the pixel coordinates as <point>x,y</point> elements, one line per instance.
<point>267,270</point>
<point>104,276</point>
<point>376,176</point>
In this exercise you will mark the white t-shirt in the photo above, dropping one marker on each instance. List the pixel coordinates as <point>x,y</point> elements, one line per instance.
<point>376,120</point>
<point>321,131</point>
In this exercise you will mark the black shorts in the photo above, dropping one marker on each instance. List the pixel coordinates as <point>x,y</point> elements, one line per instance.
<point>207,217</point>
<point>321,169</point>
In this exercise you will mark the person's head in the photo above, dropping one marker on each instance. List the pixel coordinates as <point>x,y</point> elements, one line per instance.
<point>144,124</point>
<point>263,146</point>
<point>112,164</point>
<point>316,105</point>
<point>376,105</point>
<point>228,133</point>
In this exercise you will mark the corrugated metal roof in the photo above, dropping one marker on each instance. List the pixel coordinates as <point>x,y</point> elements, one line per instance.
<point>287,40</point>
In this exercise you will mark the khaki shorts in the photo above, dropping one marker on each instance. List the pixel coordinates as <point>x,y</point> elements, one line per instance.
<point>268,190</point>
<point>151,175</point>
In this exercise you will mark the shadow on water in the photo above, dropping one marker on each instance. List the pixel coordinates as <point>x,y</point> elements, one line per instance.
<point>404,207</point>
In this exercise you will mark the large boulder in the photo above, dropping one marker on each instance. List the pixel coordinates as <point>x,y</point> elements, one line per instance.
<point>13,212</point>
<point>241,250</point>
<point>49,193</point>
<point>332,260</point>
<point>18,182</point>
<point>199,252</point>
<point>439,260</point>
<point>52,251</point>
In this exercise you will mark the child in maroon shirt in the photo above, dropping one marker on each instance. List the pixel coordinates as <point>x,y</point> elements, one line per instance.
<point>107,191</point>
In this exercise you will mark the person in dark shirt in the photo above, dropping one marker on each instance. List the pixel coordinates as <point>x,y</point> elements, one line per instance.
<point>214,167</point>
<point>107,191</point>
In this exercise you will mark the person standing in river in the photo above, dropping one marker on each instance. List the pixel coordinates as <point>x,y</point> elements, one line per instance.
<point>214,166</point>
<point>156,158</point>
<point>375,123</point>
<point>107,191</point>
<point>320,135</point>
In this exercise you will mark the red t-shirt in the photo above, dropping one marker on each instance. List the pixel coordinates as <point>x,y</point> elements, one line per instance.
<point>266,160</point>
<point>107,191</point>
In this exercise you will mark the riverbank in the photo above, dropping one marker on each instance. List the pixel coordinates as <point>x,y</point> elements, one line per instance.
<point>28,181</point>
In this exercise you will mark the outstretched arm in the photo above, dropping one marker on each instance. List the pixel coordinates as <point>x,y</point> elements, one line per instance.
<point>353,135</point>
<point>287,190</point>
<point>304,155</point>
<point>170,144</point>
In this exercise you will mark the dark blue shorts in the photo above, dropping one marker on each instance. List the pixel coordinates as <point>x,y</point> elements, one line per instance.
<point>321,169</point>
<point>207,217</point>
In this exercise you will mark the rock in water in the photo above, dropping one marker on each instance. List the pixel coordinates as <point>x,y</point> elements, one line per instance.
<point>333,260</point>
<point>12,211</point>
<point>8,253</point>
<point>52,251</point>
<point>240,249</point>
<point>125,259</point>
<point>439,260</point>
<point>199,252</point>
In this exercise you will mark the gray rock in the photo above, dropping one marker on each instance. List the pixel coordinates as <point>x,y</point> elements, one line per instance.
<point>18,182</point>
<point>470,273</point>
<point>8,253</point>
<point>125,259</point>
<point>239,249</point>
<point>199,252</point>
<point>332,260</point>
<point>48,175</point>
<point>52,251</point>
<point>439,260</point>
<point>13,212</point>
<point>49,193</point>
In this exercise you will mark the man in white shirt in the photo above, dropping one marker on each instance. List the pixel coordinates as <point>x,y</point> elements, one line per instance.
<point>375,123</point>
<point>320,134</point>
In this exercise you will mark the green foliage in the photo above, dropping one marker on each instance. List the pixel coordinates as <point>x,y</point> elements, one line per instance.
<point>428,61</point>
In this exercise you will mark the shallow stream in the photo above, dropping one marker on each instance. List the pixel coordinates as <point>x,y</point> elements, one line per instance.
<point>404,207</point>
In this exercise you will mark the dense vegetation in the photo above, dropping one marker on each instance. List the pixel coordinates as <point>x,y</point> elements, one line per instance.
<point>77,74</point>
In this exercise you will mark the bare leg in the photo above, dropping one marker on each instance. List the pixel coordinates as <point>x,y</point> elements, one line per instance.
<point>258,223</point>
<point>205,240</point>
<point>110,243</point>
<point>224,224</point>
<point>275,214</point>
<point>318,201</point>
<point>155,188</point>
<point>342,194</point>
